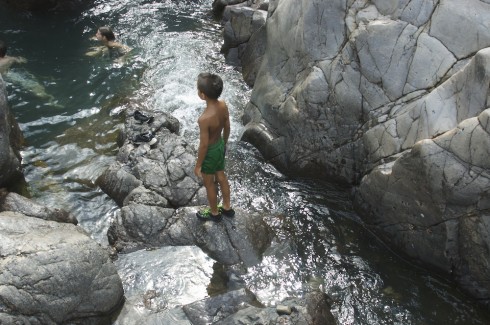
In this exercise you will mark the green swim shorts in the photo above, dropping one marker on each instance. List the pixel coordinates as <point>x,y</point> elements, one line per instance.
<point>215,158</point>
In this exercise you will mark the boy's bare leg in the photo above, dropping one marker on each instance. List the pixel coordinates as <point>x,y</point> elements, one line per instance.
<point>225,189</point>
<point>208,180</point>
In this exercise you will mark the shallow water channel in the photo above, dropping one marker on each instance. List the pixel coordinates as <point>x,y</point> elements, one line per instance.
<point>69,107</point>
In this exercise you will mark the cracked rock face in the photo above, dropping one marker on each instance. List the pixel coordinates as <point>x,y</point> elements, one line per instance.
<point>164,170</point>
<point>390,96</point>
<point>53,273</point>
<point>362,80</point>
<point>433,203</point>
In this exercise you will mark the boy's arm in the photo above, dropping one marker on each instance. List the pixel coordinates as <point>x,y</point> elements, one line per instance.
<point>226,127</point>
<point>203,146</point>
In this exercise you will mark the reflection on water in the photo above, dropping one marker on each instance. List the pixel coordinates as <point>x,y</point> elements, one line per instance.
<point>169,276</point>
<point>71,138</point>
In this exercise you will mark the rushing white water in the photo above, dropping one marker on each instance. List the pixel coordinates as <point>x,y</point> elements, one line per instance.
<point>71,140</point>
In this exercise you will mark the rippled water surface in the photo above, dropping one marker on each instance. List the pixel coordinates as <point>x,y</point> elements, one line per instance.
<point>69,107</point>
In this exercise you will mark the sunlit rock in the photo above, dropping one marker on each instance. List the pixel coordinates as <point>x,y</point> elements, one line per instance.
<point>54,273</point>
<point>241,239</point>
<point>158,282</point>
<point>164,170</point>
<point>385,94</point>
<point>244,37</point>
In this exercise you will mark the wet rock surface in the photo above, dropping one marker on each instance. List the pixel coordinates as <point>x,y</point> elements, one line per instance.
<point>54,273</point>
<point>159,198</point>
<point>389,97</point>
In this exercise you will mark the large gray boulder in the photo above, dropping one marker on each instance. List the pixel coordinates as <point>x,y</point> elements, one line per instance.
<point>164,170</point>
<point>54,273</point>
<point>341,83</point>
<point>380,94</point>
<point>242,239</point>
<point>220,5</point>
<point>10,142</point>
<point>240,24</point>
<point>432,203</point>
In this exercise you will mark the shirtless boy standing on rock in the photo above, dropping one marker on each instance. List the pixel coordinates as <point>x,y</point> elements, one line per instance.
<point>210,164</point>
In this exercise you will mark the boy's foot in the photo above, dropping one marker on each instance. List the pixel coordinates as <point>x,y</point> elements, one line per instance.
<point>228,213</point>
<point>146,137</point>
<point>206,215</point>
<point>138,116</point>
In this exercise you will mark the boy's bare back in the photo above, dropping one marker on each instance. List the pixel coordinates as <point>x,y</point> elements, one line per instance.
<point>213,121</point>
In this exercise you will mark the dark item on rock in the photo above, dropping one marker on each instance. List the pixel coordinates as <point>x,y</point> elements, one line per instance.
<point>227,213</point>
<point>146,137</point>
<point>143,118</point>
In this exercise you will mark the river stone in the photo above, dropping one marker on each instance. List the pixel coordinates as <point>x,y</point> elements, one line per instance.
<point>240,308</point>
<point>17,203</point>
<point>10,142</point>
<point>54,273</point>
<point>219,5</point>
<point>166,168</point>
<point>241,239</point>
<point>118,182</point>
<point>240,25</point>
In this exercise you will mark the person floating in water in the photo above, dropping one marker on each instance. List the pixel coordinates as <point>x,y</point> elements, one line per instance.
<point>7,61</point>
<point>214,130</point>
<point>22,78</point>
<point>110,47</point>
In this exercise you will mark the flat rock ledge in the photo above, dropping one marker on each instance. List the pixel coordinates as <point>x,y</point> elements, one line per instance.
<point>54,273</point>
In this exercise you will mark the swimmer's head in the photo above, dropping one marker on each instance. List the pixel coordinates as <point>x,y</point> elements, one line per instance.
<point>106,32</point>
<point>3,49</point>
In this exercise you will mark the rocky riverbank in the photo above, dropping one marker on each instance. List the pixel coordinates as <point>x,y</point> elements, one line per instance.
<point>390,97</point>
<point>54,273</point>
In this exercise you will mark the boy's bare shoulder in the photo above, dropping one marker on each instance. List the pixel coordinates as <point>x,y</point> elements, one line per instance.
<point>203,118</point>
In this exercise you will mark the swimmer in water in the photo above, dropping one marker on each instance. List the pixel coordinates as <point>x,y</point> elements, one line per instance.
<point>7,61</point>
<point>110,47</point>
<point>22,78</point>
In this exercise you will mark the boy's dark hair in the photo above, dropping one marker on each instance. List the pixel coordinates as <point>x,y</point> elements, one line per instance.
<point>3,49</point>
<point>210,84</point>
<point>107,32</point>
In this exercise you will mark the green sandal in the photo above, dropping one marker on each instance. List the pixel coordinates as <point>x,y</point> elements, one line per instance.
<point>205,215</point>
